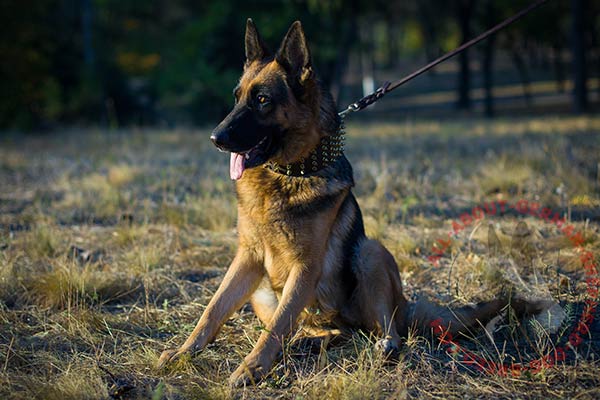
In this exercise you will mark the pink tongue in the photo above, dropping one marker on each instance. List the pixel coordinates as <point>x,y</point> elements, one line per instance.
<point>236,166</point>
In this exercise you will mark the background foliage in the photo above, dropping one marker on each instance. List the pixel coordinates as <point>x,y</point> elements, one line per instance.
<point>164,62</point>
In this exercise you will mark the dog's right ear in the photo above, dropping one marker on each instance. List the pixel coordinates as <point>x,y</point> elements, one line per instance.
<point>255,47</point>
<point>294,54</point>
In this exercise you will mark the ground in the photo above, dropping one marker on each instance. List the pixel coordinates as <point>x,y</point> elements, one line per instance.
<point>112,243</point>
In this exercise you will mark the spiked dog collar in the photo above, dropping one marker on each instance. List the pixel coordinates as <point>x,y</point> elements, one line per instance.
<point>326,153</point>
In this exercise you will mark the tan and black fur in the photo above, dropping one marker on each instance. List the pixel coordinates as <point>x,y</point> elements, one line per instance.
<point>301,239</point>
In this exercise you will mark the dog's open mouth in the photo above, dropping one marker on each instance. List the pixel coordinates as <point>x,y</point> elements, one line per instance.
<point>248,159</point>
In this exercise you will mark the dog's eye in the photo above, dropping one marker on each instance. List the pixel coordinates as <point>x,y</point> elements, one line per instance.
<point>262,99</point>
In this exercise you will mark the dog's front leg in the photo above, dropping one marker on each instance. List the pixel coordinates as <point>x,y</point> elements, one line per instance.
<point>298,292</point>
<point>240,281</point>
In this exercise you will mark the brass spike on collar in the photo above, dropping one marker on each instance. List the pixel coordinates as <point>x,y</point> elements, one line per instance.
<point>326,153</point>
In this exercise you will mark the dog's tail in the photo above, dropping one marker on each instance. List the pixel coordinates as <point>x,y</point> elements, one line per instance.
<point>427,317</point>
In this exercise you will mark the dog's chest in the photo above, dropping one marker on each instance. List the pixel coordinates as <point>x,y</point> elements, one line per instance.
<point>277,201</point>
<point>288,220</point>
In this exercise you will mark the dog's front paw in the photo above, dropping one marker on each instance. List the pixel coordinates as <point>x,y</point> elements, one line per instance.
<point>246,375</point>
<point>169,357</point>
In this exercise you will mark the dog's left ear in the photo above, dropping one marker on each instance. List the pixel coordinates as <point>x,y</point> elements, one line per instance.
<point>294,55</point>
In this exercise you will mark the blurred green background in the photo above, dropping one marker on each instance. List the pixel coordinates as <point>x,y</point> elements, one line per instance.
<point>115,63</point>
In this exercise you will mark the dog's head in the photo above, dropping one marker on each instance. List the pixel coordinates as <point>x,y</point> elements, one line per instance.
<point>280,111</point>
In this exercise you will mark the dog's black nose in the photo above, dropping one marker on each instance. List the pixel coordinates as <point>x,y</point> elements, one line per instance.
<point>220,138</point>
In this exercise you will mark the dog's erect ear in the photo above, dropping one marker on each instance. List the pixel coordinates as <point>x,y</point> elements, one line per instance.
<point>294,55</point>
<point>255,47</point>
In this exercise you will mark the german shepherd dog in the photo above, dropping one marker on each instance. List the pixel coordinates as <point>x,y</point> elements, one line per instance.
<point>302,244</point>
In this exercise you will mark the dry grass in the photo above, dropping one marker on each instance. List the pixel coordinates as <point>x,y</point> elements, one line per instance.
<point>111,245</point>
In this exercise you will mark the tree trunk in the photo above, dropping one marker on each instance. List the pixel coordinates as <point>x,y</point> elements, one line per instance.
<point>523,74</point>
<point>559,68</point>
<point>580,95</point>
<point>465,11</point>
<point>86,30</point>
<point>488,63</point>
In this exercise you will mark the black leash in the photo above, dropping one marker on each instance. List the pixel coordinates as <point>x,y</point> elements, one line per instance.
<point>389,86</point>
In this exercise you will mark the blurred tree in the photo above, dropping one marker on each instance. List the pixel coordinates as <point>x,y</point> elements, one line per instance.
<point>580,94</point>
<point>487,69</point>
<point>28,89</point>
<point>86,28</point>
<point>435,30</point>
<point>164,62</point>
<point>464,10</point>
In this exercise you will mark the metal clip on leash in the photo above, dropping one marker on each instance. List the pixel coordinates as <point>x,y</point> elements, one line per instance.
<point>366,101</point>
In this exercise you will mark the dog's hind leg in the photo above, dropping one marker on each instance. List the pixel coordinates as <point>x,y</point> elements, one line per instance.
<point>378,297</point>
